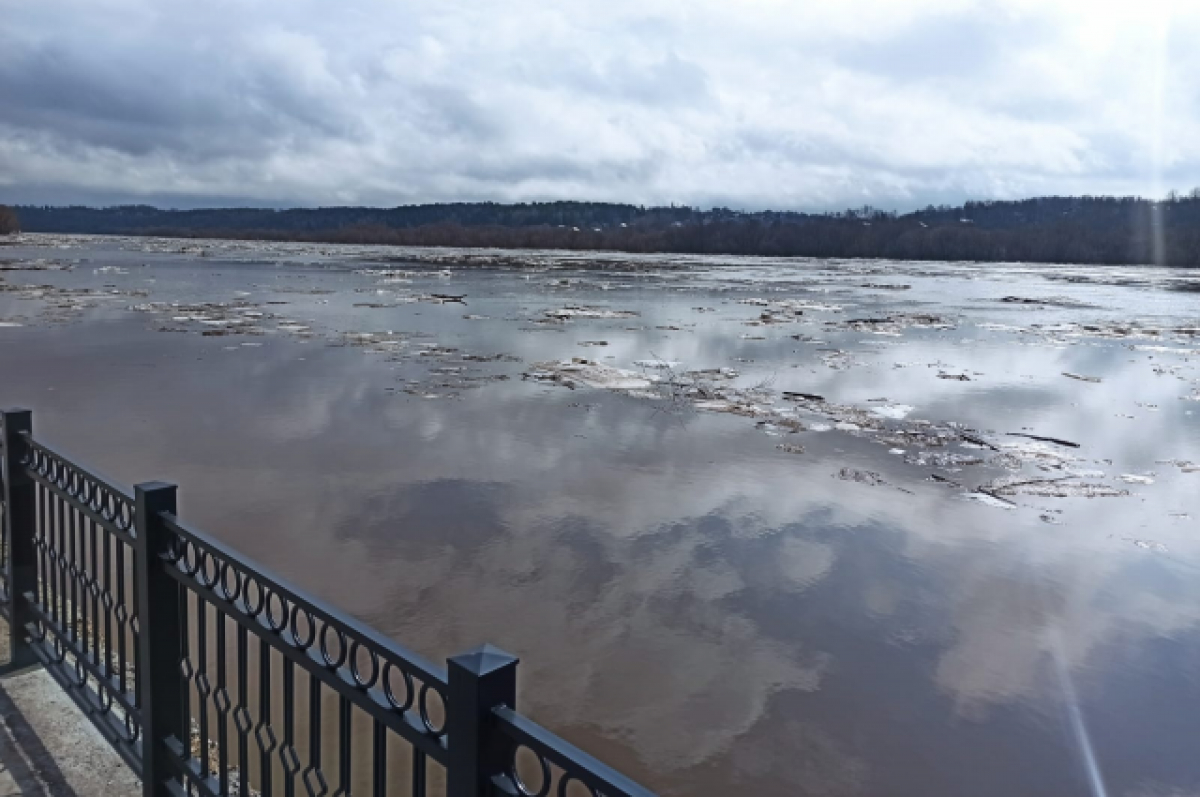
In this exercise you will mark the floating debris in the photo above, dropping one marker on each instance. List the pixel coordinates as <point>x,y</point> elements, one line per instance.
<point>1056,441</point>
<point>792,305</point>
<point>837,360</point>
<point>781,426</point>
<point>790,448</point>
<point>489,358</point>
<point>867,477</point>
<point>991,500</point>
<point>578,371</point>
<point>568,313</point>
<point>1061,487</point>
<point>1051,301</point>
<point>978,441</point>
<point>893,411</point>
<point>1148,545</point>
<point>894,324</point>
<point>947,460</point>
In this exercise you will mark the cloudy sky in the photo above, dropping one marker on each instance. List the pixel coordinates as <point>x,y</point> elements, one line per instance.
<point>805,104</point>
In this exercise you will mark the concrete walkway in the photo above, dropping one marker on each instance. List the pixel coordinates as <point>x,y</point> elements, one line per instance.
<point>48,748</point>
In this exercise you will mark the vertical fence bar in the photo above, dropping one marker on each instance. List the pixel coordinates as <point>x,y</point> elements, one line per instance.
<point>62,588</point>
<point>161,649</point>
<point>480,680</point>
<point>314,776</point>
<point>72,592</point>
<point>93,589</point>
<point>287,753</point>
<point>378,759</point>
<point>43,523</point>
<point>203,684</point>
<point>20,518</point>
<point>123,621</point>
<point>266,736</point>
<point>221,704</point>
<point>108,601</point>
<point>418,773</point>
<point>344,747</point>
<point>241,715</point>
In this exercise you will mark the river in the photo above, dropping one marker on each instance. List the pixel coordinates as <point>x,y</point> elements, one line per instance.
<point>752,526</point>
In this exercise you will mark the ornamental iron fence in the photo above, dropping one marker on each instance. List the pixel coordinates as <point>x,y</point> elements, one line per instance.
<point>210,676</point>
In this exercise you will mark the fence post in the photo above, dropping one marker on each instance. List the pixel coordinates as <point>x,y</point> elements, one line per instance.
<point>20,518</point>
<point>160,650</point>
<point>480,680</point>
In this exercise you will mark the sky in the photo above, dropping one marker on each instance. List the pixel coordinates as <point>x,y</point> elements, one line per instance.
<point>749,104</point>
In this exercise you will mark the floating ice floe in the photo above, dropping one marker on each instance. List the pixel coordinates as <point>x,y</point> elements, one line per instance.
<point>1148,545</point>
<point>567,313</point>
<point>990,500</point>
<point>893,411</point>
<point>579,371</point>
<point>867,477</point>
<point>1060,487</point>
<point>792,305</point>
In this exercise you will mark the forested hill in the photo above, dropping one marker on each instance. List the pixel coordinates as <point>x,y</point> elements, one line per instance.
<point>1047,229</point>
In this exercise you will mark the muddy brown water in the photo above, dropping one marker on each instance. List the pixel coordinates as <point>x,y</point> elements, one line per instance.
<point>708,612</point>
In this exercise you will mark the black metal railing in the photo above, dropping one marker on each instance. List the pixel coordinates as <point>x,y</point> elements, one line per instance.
<point>210,676</point>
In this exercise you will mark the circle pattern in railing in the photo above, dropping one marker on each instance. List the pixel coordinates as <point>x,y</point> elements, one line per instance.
<point>382,678</point>
<point>111,506</point>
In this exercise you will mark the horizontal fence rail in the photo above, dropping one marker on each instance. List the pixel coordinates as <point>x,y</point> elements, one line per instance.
<point>211,676</point>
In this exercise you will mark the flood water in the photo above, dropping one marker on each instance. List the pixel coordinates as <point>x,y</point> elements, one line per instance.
<point>716,587</point>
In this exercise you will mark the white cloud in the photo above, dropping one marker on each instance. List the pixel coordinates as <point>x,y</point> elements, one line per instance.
<point>754,104</point>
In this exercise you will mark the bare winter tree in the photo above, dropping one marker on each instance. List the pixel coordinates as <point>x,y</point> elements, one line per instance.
<point>9,223</point>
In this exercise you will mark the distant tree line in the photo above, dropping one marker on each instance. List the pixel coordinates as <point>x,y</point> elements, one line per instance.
<point>1104,230</point>
<point>9,223</point>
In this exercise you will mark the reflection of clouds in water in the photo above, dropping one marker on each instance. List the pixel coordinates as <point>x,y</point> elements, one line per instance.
<point>801,754</point>
<point>803,562</point>
<point>649,654</point>
<point>999,606</point>
<point>1003,649</point>
<point>644,647</point>
<point>1005,603</point>
<point>1161,790</point>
